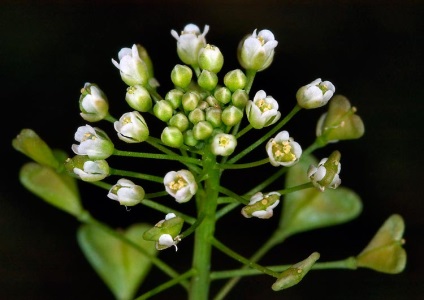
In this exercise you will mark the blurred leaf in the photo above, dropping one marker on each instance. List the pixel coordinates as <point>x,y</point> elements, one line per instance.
<point>310,209</point>
<point>384,253</point>
<point>121,267</point>
<point>59,190</point>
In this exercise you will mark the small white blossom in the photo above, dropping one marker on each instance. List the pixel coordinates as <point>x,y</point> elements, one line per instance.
<point>181,185</point>
<point>126,192</point>
<point>261,206</point>
<point>132,128</point>
<point>165,241</point>
<point>223,144</point>
<point>283,150</point>
<point>93,103</point>
<point>94,143</point>
<point>93,170</point>
<point>257,51</point>
<point>262,111</point>
<point>318,173</point>
<point>190,42</point>
<point>315,94</point>
<point>132,68</point>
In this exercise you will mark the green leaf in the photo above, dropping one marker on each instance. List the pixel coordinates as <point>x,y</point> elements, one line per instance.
<point>310,209</point>
<point>59,190</point>
<point>384,253</point>
<point>120,266</point>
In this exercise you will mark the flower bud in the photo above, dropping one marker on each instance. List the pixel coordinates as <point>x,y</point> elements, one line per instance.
<point>181,76</point>
<point>326,174</point>
<point>315,94</point>
<point>29,143</point>
<point>239,98</point>
<point>295,273</point>
<point>163,110</point>
<point>138,98</point>
<point>132,128</point>
<point>142,52</point>
<point>174,97</point>
<point>93,103</point>
<point>213,116</point>
<point>256,51</point>
<point>94,143</point>
<point>86,169</point>
<point>189,138</point>
<point>202,130</point>
<point>190,101</point>
<point>235,80</point>
<point>231,115</point>
<point>223,144</point>
<point>211,100</point>
<point>261,206</point>
<point>196,115</point>
<point>340,122</point>
<point>132,68</point>
<point>223,95</point>
<point>210,58</point>
<point>172,137</point>
<point>190,42</point>
<point>262,111</point>
<point>181,185</point>
<point>207,80</point>
<point>283,150</point>
<point>126,192</point>
<point>180,121</point>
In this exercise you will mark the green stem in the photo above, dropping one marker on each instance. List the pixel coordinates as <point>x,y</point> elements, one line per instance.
<point>277,127</point>
<point>206,206</point>
<point>166,210</point>
<point>250,74</point>
<point>125,173</point>
<point>348,263</point>
<point>244,131</point>
<point>296,188</point>
<point>246,165</point>
<point>248,263</point>
<point>233,195</point>
<point>179,158</point>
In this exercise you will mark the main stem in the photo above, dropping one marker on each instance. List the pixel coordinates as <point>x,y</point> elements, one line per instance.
<point>206,204</point>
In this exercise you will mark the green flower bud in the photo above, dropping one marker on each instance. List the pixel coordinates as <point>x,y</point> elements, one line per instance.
<point>169,228</point>
<point>142,52</point>
<point>211,100</point>
<point>87,169</point>
<point>213,116</point>
<point>189,138</point>
<point>239,98</point>
<point>190,101</point>
<point>223,95</point>
<point>196,115</point>
<point>163,110</point>
<point>235,80</point>
<point>29,143</point>
<point>211,59</point>
<point>207,80</point>
<point>180,121</point>
<point>172,137</point>
<point>202,130</point>
<point>203,105</point>
<point>231,115</point>
<point>174,97</point>
<point>138,98</point>
<point>295,273</point>
<point>181,76</point>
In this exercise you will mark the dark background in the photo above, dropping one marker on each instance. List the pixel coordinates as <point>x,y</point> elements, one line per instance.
<point>372,52</point>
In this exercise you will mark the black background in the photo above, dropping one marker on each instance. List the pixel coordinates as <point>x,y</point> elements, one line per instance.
<point>372,52</point>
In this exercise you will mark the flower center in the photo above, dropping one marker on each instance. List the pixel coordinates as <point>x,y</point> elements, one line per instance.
<point>223,141</point>
<point>177,184</point>
<point>126,120</point>
<point>282,151</point>
<point>263,105</point>
<point>89,136</point>
<point>261,40</point>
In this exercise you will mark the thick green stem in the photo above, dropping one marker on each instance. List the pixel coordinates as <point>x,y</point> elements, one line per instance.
<point>206,202</point>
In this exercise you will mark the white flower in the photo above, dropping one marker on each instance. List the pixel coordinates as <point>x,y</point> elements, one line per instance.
<point>93,103</point>
<point>256,52</point>
<point>326,174</point>
<point>315,94</point>
<point>94,143</point>
<point>166,241</point>
<point>126,192</point>
<point>132,68</point>
<point>261,206</point>
<point>262,111</point>
<point>93,170</point>
<point>181,185</point>
<point>190,42</point>
<point>283,150</point>
<point>132,128</point>
<point>223,144</point>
